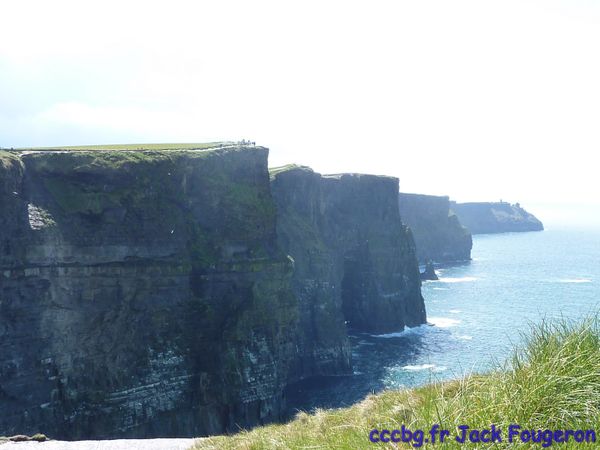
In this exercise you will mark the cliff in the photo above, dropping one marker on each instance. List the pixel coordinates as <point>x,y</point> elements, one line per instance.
<point>150,293</point>
<point>439,235</point>
<point>496,217</point>
<point>142,294</point>
<point>354,260</point>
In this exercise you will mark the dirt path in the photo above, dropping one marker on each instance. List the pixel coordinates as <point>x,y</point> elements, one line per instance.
<point>119,444</point>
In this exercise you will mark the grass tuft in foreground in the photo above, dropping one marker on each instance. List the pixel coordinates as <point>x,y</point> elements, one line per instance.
<point>552,382</point>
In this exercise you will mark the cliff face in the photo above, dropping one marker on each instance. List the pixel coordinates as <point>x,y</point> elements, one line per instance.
<point>141,294</point>
<point>151,294</point>
<point>438,234</point>
<point>499,217</point>
<point>354,260</point>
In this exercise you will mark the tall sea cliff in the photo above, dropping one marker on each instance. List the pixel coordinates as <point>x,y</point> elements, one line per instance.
<point>439,235</point>
<point>168,294</point>
<point>142,294</point>
<point>354,260</point>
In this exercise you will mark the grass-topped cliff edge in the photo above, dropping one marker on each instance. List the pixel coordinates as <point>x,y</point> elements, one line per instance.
<point>551,383</point>
<point>135,147</point>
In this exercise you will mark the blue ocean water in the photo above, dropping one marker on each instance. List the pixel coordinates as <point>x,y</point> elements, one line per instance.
<point>478,313</point>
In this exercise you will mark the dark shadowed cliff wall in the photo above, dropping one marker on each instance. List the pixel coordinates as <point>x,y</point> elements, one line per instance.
<point>438,234</point>
<point>495,217</point>
<point>148,294</point>
<point>354,260</point>
<point>141,294</point>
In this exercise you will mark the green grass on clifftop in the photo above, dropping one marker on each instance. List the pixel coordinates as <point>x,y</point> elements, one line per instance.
<point>553,383</point>
<point>6,159</point>
<point>171,146</point>
<point>274,171</point>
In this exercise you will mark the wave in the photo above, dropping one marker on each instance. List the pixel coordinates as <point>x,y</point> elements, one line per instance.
<point>575,280</point>
<point>390,335</point>
<point>440,289</point>
<point>443,322</point>
<point>419,367</point>
<point>406,331</point>
<point>456,280</point>
<point>464,337</point>
<point>455,311</point>
<point>440,322</point>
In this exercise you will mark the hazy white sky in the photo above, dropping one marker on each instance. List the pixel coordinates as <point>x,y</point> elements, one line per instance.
<point>479,100</point>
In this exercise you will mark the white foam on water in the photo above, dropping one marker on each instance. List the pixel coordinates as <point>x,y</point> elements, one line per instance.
<point>575,280</point>
<point>457,279</point>
<point>406,331</point>
<point>455,311</point>
<point>443,322</point>
<point>420,367</point>
<point>464,337</point>
<point>390,335</point>
<point>440,289</point>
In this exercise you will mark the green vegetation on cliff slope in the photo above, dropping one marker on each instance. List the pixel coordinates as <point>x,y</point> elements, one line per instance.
<point>7,159</point>
<point>552,383</point>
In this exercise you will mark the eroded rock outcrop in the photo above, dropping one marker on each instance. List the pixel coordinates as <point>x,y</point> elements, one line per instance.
<point>439,235</point>
<point>495,217</point>
<point>429,273</point>
<point>141,294</point>
<point>354,260</point>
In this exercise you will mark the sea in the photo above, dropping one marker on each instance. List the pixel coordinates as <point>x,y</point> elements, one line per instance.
<point>478,312</point>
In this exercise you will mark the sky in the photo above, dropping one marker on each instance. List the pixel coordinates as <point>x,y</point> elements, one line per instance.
<point>479,100</point>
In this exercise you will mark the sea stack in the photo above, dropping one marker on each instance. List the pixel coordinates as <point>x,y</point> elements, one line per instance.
<point>429,273</point>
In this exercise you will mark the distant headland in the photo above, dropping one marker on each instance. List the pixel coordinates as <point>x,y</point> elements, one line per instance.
<point>495,217</point>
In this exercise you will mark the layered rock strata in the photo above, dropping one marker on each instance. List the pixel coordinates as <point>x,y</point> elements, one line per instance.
<point>439,235</point>
<point>355,263</point>
<point>147,294</point>
<point>141,294</point>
